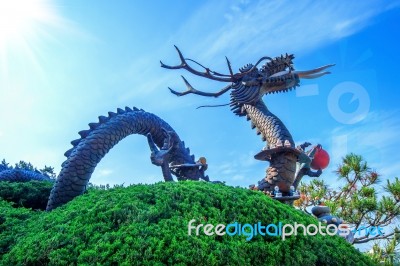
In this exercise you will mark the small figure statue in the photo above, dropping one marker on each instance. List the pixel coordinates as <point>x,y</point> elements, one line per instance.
<point>277,192</point>
<point>253,187</point>
<point>202,162</point>
<point>293,191</point>
<point>268,193</point>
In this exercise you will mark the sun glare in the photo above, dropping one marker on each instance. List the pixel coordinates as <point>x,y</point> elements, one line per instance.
<point>25,25</point>
<point>18,18</point>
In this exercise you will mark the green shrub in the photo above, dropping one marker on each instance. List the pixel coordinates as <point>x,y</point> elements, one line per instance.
<point>12,224</point>
<point>32,194</point>
<point>148,225</point>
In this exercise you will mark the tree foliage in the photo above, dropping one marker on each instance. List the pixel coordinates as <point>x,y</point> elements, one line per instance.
<point>386,254</point>
<point>358,201</point>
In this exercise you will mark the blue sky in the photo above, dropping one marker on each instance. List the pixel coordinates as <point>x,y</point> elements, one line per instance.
<point>71,61</point>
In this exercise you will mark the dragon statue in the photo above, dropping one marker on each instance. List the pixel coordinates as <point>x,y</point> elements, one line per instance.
<point>288,164</point>
<point>323,214</point>
<point>21,175</point>
<point>167,151</point>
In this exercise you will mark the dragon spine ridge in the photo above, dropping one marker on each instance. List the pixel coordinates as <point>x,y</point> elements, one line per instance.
<point>20,175</point>
<point>94,144</point>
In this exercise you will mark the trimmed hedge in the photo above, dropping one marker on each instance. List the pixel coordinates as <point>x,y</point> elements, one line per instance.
<point>32,194</point>
<point>148,225</point>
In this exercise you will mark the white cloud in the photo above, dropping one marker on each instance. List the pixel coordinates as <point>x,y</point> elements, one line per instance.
<point>390,171</point>
<point>379,129</point>
<point>270,27</point>
<point>238,177</point>
<point>375,138</point>
<point>104,172</point>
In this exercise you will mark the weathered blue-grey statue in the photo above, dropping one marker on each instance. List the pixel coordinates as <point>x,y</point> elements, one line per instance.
<point>167,151</point>
<point>288,164</point>
<point>20,175</point>
<point>323,214</point>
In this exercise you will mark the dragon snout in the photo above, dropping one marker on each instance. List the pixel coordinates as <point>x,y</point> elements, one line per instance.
<point>288,79</point>
<point>313,73</point>
<point>308,74</point>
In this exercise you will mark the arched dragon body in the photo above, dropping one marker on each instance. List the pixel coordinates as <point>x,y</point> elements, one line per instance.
<point>288,164</point>
<point>167,151</point>
<point>20,175</point>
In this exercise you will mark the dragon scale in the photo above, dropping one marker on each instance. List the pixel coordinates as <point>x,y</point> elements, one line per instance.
<point>167,151</point>
<point>271,128</point>
<point>101,137</point>
<point>288,164</point>
<point>281,171</point>
<point>19,175</point>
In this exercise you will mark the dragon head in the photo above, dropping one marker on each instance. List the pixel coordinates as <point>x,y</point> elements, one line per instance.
<point>277,75</point>
<point>250,84</point>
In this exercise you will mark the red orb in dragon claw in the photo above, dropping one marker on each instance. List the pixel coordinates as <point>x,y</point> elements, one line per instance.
<point>320,160</point>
